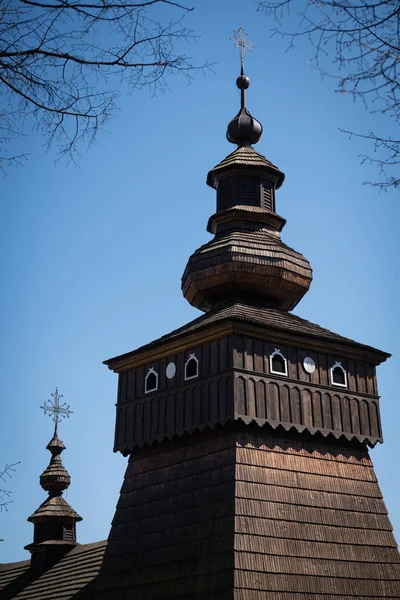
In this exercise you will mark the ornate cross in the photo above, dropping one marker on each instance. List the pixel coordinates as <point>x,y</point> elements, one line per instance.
<point>57,411</point>
<point>239,41</point>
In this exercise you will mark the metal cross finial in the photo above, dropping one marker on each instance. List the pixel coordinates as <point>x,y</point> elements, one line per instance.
<point>56,410</point>
<point>239,41</point>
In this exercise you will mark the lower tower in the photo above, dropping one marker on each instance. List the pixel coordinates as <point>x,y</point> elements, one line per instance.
<point>55,520</point>
<point>243,482</point>
<point>248,430</point>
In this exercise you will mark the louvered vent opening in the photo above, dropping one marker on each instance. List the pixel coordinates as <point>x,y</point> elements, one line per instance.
<point>225,194</point>
<point>69,534</point>
<point>268,195</point>
<point>249,191</point>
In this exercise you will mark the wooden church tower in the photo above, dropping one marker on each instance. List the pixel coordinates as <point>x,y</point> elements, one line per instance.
<point>247,430</point>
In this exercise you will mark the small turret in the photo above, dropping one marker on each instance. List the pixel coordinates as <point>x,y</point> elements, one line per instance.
<point>54,521</point>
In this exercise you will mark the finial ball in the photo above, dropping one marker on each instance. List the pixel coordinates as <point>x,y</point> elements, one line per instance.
<point>243,82</point>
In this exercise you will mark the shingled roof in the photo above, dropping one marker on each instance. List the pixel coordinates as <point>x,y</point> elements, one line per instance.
<point>264,316</point>
<point>71,577</point>
<point>55,506</point>
<point>244,156</point>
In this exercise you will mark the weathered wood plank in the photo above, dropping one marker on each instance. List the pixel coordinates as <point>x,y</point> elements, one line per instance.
<point>311,514</point>
<point>307,481</point>
<point>324,585</point>
<point>308,531</point>
<point>321,568</point>
<point>248,354</point>
<point>315,549</point>
<point>322,499</point>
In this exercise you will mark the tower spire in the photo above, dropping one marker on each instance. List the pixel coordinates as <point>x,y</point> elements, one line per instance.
<point>54,521</point>
<point>246,260</point>
<point>243,129</point>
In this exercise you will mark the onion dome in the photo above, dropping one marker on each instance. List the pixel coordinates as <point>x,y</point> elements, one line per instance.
<point>246,260</point>
<point>243,129</point>
<point>55,477</point>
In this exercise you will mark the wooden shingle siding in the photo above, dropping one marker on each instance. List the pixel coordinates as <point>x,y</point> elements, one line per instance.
<point>308,584</point>
<point>278,595</point>
<point>172,533</point>
<point>213,586</point>
<point>242,513</point>
<point>310,523</point>
<point>70,578</point>
<point>316,550</point>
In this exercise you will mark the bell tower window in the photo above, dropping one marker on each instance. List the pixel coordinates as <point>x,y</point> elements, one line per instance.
<point>191,367</point>
<point>278,363</point>
<point>225,194</point>
<point>338,375</point>
<point>151,381</point>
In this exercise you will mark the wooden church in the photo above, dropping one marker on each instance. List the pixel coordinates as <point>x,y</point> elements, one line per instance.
<point>247,430</point>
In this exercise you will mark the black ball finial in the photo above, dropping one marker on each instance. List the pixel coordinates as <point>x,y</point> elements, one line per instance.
<point>243,82</point>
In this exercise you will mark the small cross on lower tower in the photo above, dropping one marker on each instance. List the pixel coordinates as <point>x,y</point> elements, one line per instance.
<point>56,410</point>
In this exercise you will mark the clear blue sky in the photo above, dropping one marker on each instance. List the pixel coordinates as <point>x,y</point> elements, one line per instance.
<point>91,257</point>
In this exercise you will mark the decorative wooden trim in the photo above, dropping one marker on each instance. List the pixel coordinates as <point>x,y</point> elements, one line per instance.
<point>151,371</point>
<point>260,375</point>
<point>340,366</point>
<point>271,356</point>
<point>192,356</point>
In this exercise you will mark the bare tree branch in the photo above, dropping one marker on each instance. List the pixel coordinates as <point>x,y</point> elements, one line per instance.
<point>5,495</point>
<point>63,63</point>
<point>362,38</point>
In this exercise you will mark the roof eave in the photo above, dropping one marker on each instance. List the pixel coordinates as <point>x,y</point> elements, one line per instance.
<point>170,343</point>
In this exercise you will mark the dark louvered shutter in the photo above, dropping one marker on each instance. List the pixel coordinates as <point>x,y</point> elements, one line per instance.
<point>248,191</point>
<point>68,534</point>
<point>267,195</point>
<point>225,194</point>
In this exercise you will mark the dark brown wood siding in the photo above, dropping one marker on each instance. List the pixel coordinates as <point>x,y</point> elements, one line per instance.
<point>235,381</point>
<point>198,404</point>
<point>241,352</point>
<point>289,404</point>
<point>172,533</point>
<point>361,376</point>
<point>244,513</point>
<point>310,523</point>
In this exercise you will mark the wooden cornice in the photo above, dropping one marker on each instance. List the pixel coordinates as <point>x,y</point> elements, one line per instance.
<point>178,344</point>
<point>208,333</point>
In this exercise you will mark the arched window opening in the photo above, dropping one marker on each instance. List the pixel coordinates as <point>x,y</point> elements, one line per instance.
<point>278,363</point>
<point>338,375</point>
<point>151,381</point>
<point>192,367</point>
